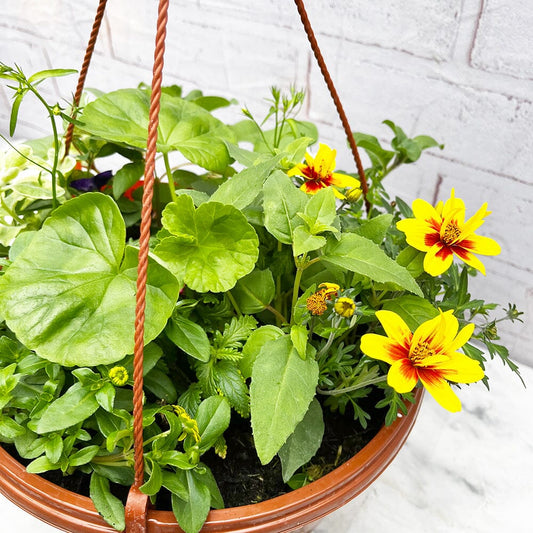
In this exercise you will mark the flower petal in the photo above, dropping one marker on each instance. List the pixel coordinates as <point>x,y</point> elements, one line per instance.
<point>325,160</point>
<point>382,348</point>
<point>343,180</point>
<point>311,187</point>
<point>395,327</point>
<point>454,207</point>
<point>425,211</point>
<point>402,376</point>
<point>475,221</point>
<point>440,389</point>
<point>481,245</point>
<point>418,233</point>
<point>469,259</point>
<point>461,369</point>
<point>297,170</point>
<point>462,338</point>
<point>435,332</point>
<point>438,259</point>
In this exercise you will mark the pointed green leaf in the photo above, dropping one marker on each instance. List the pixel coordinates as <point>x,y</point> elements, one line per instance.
<point>189,337</point>
<point>375,228</point>
<point>126,177</point>
<point>70,294</point>
<point>231,384</point>
<point>210,247</point>
<point>303,444</point>
<point>77,404</point>
<point>50,73</point>
<point>304,241</point>
<point>253,346</point>
<point>213,418</point>
<point>283,385</point>
<point>299,339</point>
<point>109,506</point>
<point>361,255</point>
<point>191,514</point>
<point>282,203</point>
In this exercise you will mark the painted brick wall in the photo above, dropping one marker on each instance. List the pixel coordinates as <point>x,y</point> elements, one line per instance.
<point>460,70</point>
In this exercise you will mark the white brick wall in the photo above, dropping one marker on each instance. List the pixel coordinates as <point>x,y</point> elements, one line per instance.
<point>460,71</point>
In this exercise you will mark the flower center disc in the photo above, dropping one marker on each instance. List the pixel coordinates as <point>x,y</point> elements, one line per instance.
<point>451,233</point>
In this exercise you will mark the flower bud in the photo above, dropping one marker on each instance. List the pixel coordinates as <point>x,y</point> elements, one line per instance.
<point>119,376</point>
<point>344,307</point>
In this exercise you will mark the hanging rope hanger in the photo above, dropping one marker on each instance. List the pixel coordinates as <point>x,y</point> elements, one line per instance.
<point>137,503</point>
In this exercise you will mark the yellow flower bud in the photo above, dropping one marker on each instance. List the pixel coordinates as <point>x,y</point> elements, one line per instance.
<point>345,307</point>
<point>353,194</point>
<point>119,376</point>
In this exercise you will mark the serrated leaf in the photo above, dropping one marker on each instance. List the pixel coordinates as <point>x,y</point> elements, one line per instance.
<point>253,346</point>
<point>413,309</point>
<point>282,202</point>
<point>303,444</point>
<point>362,256</point>
<point>243,188</point>
<point>282,388</point>
<point>110,507</point>
<point>210,247</point>
<point>231,384</point>
<point>375,228</point>
<point>70,294</point>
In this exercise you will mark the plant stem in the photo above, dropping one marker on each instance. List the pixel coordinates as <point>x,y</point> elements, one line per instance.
<point>336,392</point>
<point>234,303</point>
<point>170,179</point>
<point>280,319</point>
<point>297,279</point>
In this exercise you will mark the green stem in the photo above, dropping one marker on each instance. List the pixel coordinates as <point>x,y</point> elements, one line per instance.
<point>280,319</point>
<point>170,179</point>
<point>10,211</point>
<point>296,288</point>
<point>336,392</point>
<point>234,303</point>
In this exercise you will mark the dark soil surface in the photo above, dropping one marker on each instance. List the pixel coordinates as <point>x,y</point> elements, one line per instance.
<point>241,477</point>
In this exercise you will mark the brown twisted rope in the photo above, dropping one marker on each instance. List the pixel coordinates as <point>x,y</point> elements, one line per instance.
<point>146,217</point>
<point>83,72</point>
<point>334,95</point>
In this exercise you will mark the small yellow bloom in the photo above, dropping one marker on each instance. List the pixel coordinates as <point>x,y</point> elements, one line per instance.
<point>188,424</point>
<point>429,355</point>
<point>329,289</point>
<point>118,376</point>
<point>442,232</point>
<point>344,307</point>
<point>318,173</point>
<point>353,194</point>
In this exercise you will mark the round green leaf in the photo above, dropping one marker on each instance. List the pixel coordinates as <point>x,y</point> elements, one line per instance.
<point>210,247</point>
<point>122,116</point>
<point>70,294</point>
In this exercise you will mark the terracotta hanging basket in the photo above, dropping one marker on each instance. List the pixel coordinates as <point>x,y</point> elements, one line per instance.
<point>290,512</point>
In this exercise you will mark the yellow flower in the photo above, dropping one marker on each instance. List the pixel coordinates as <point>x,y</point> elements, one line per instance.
<point>329,289</point>
<point>118,376</point>
<point>344,307</point>
<point>442,232</point>
<point>429,354</point>
<point>318,173</point>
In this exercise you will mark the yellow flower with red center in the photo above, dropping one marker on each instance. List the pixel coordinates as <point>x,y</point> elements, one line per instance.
<point>429,355</point>
<point>318,173</point>
<point>442,232</point>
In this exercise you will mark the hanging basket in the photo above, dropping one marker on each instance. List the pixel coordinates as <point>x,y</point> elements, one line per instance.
<point>293,511</point>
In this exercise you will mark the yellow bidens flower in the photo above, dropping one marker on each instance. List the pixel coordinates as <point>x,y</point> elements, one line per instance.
<point>189,425</point>
<point>442,232</point>
<point>318,173</point>
<point>316,303</point>
<point>344,307</point>
<point>429,355</point>
<point>119,376</point>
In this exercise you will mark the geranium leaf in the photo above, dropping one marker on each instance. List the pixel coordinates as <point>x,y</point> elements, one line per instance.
<point>210,247</point>
<point>255,291</point>
<point>70,294</point>
<point>122,116</point>
<point>283,385</point>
